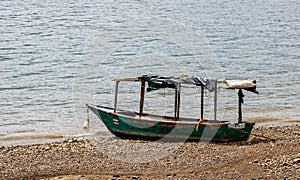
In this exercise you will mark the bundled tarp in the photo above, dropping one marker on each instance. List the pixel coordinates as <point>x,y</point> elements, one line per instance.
<point>246,84</point>
<point>157,82</point>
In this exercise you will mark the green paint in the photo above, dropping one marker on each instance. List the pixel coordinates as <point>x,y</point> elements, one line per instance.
<point>128,126</point>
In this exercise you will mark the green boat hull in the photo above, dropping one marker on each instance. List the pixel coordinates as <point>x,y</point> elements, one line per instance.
<point>130,125</point>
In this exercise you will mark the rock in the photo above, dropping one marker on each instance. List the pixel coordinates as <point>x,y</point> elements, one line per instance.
<point>252,140</point>
<point>47,148</point>
<point>296,161</point>
<point>284,164</point>
<point>255,161</point>
<point>189,160</point>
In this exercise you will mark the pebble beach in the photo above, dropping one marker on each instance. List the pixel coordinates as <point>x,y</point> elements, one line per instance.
<point>269,153</point>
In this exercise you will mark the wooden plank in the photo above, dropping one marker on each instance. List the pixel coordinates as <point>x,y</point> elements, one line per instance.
<point>116,96</point>
<point>142,97</point>
<point>202,102</point>
<point>125,79</point>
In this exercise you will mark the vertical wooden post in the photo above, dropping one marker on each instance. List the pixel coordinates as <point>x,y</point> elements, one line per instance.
<point>142,96</point>
<point>116,96</point>
<point>178,100</point>
<point>175,103</point>
<point>202,102</point>
<point>216,100</point>
<point>240,96</point>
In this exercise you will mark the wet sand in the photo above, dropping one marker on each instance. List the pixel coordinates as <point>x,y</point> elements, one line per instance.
<point>271,154</point>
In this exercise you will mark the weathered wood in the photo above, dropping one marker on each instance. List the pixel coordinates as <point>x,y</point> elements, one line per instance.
<point>142,96</point>
<point>125,79</point>
<point>216,100</point>
<point>125,124</point>
<point>157,126</point>
<point>240,97</point>
<point>175,104</point>
<point>202,102</point>
<point>116,96</point>
<point>178,100</point>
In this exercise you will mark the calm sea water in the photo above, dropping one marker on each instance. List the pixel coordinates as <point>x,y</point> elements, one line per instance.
<point>55,56</point>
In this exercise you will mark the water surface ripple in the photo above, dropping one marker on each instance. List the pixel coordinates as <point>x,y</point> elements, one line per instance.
<point>53,60</point>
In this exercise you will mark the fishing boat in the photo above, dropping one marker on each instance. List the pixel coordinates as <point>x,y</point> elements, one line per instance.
<point>146,126</point>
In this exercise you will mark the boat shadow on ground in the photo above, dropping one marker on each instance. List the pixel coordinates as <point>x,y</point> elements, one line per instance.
<point>253,139</point>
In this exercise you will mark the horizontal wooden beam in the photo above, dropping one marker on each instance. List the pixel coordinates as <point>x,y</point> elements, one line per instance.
<point>125,79</point>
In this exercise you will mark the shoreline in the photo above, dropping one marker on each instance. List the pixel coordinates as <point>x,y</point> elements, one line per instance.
<point>82,159</point>
<point>85,134</point>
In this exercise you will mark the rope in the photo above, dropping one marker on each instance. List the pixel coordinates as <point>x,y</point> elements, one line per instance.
<point>87,122</point>
<point>198,123</point>
<point>258,135</point>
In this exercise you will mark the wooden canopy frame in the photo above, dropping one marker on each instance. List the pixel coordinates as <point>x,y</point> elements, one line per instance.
<point>231,84</point>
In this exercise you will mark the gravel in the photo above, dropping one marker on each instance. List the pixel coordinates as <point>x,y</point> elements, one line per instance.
<point>271,154</point>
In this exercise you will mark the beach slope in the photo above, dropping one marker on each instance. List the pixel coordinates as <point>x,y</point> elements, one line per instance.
<point>258,158</point>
